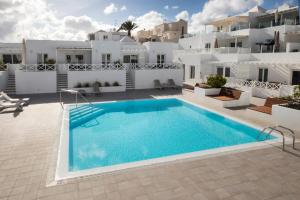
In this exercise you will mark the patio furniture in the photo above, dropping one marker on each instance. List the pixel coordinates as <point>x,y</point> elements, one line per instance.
<point>5,105</point>
<point>267,107</point>
<point>171,84</point>
<point>96,89</point>
<point>230,97</point>
<point>5,97</point>
<point>158,85</point>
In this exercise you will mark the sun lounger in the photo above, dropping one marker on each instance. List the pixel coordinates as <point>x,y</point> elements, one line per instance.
<point>5,97</point>
<point>5,105</point>
<point>157,85</point>
<point>171,84</point>
<point>267,107</point>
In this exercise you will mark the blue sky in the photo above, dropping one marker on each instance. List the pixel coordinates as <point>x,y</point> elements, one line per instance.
<point>74,19</point>
<point>94,8</point>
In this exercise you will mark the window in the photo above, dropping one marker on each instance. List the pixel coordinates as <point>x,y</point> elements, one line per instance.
<point>42,58</point>
<point>130,59</point>
<point>220,71</point>
<point>7,59</point>
<point>106,58</point>
<point>161,59</point>
<point>17,58</point>
<point>192,72</point>
<point>79,59</point>
<point>263,74</point>
<point>68,59</point>
<point>207,46</point>
<point>227,72</point>
<point>105,37</point>
<point>296,78</point>
<point>91,36</point>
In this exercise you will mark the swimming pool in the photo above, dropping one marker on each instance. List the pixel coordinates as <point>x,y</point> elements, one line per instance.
<point>125,132</point>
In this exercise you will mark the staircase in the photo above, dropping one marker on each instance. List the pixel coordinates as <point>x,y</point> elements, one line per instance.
<point>84,114</point>
<point>129,81</point>
<point>62,81</point>
<point>11,84</point>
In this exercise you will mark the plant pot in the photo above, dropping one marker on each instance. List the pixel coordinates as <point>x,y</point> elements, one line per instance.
<point>287,117</point>
<point>202,92</point>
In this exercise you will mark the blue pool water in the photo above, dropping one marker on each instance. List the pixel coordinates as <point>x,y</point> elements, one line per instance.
<point>129,131</point>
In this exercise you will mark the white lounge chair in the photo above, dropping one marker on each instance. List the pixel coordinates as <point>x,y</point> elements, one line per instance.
<point>5,97</point>
<point>171,84</point>
<point>157,85</point>
<point>5,105</point>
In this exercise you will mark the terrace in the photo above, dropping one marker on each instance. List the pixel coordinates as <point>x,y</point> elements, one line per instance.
<point>28,156</point>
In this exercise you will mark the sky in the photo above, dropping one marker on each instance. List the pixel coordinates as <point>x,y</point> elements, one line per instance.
<point>74,19</point>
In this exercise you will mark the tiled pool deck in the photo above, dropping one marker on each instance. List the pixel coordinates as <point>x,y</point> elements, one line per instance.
<point>28,142</point>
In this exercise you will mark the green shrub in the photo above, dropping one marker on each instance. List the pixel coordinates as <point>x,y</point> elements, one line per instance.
<point>116,83</point>
<point>50,62</point>
<point>107,84</point>
<point>98,83</point>
<point>86,85</point>
<point>216,81</point>
<point>78,85</point>
<point>297,92</point>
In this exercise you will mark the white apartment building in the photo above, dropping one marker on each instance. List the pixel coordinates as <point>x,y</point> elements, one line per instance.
<point>46,66</point>
<point>165,32</point>
<point>259,45</point>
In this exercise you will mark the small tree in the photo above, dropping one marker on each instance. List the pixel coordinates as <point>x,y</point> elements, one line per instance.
<point>216,81</point>
<point>128,26</point>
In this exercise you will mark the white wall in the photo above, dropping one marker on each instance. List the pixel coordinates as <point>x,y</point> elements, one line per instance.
<point>105,47</point>
<point>165,48</point>
<point>35,82</point>
<point>110,76</point>
<point>144,78</point>
<point>3,80</point>
<point>33,47</point>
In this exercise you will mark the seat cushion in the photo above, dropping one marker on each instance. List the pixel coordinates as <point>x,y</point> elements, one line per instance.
<point>262,109</point>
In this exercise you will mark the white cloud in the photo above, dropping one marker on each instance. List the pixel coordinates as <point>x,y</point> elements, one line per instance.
<point>149,20</point>
<point>131,18</point>
<point>34,19</point>
<point>182,15</point>
<point>166,7</point>
<point>123,8</point>
<point>112,8</point>
<point>175,7</point>
<point>219,8</point>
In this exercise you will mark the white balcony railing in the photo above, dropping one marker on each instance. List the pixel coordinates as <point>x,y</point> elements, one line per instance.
<point>221,50</point>
<point>93,67</point>
<point>154,66</point>
<point>37,67</point>
<point>3,67</point>
<point>64,68</point>
<point>234,82</point>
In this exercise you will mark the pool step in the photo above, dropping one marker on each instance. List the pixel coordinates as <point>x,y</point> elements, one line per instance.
<point>81,119</point>
<point>79,108</point>
<point>81,111</point>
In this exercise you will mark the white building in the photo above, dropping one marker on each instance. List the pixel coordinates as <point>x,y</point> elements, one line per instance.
<point>245,47</point>
<point>50,65</point>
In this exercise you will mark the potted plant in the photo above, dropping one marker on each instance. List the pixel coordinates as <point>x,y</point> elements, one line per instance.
<point>106,84</point>
<point>116,84</point>
<point>211,87</point>
<point>288,114</point>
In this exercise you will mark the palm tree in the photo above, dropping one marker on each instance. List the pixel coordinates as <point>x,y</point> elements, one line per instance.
<point>128,26</point>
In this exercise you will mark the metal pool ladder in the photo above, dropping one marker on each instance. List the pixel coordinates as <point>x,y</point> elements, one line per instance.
<point>280,129</point>
<point>77,93</point>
